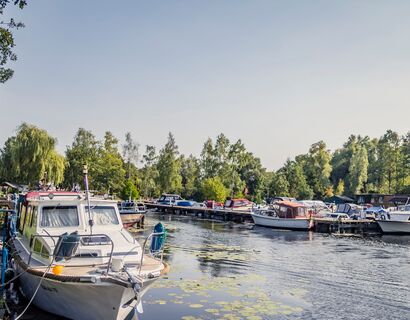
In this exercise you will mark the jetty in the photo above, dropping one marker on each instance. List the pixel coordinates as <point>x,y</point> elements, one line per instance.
<point>203,212</point>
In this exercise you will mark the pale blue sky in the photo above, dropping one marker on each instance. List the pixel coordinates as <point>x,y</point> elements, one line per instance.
<point>280,75</point>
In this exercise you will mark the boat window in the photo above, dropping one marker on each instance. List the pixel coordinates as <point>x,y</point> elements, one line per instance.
<point>39,248</point>
<point>34,218</point>
<point>103,215</point>
<point>27,222</point>
<point>59,216</point>
<point>22,217</point>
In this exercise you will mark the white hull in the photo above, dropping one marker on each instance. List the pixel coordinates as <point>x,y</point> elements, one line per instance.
<point>76,300</point>
<point>282,223</point>
<point>394,227</point>
<point>399,216</point>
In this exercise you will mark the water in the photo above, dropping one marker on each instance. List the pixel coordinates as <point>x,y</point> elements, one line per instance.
<point>232,271</point>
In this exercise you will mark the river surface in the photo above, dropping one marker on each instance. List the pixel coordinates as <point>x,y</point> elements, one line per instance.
<point>231,271</point>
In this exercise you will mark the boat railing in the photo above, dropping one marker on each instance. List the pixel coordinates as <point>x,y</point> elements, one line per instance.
<point>83,239</point>
<point>156,253</point>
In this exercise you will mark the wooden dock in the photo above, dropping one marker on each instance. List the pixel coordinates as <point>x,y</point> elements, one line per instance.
<point>346,226</point>
<point>203,213</point>
<point>322,225</point>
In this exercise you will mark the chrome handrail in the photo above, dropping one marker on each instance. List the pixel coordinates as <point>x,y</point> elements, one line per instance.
<point>144,246</point>
<point>35,236</point>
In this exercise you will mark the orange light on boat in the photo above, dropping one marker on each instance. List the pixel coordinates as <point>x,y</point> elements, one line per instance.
<point>58,269</point>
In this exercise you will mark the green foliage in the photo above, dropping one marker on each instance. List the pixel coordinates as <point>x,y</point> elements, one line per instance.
<point>169,166</point>
<point>85,150</point>
<point>150,174</point>
<point>279,186</point>
<point>317,168</point>
<point>340,189</point>
<point>110,173</point>
<point>7,39</point>
<point>358,170</point>
<point>213,189</point>
<point>29,155</point>
<point>223,169</point>
<point>130,191</point>
<point>190,176</point>
<point>298,185</point>
<point>130,154</point>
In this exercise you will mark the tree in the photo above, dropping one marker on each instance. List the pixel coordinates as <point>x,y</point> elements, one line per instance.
<point>85,150</point>
<point>110,175</point>
<point>213,189</point>
<point>30,155</point>
<point>340,189</point>
<point>7,39</point>
<point>318,168</point>
<point>389,160</point>
<point>130,153</point>
<point>358,170</point>
<point>149,172</point>
<point>298,186</point>
<point>190,176</point>
<point>169,166</point>
<point>208,161</point>
<point>129,191</point>
<point>279,186</point>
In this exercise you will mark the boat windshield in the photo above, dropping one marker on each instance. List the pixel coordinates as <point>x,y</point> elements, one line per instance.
<point>104,215</point>
<point>59,216</point>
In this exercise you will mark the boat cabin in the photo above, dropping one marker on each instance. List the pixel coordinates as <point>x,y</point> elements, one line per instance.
<point>238,204</point>
<point>169,198</point>
<point>45,217</point>
<point>290,210</point>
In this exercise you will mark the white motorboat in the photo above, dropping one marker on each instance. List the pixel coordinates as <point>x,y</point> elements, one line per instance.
<point>394,226</point>
<point>283,215</point>
<point>402,214</point>
<point>76,260</point>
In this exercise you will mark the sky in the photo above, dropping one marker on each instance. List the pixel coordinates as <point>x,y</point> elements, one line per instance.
<point>279,75</point>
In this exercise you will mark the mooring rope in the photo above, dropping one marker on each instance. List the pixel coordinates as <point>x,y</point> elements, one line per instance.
<point>35,292</point>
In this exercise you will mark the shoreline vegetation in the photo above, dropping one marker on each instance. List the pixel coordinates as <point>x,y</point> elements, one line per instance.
<point>223,169</point>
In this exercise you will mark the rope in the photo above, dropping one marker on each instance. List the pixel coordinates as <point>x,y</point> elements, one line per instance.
<point>35,292</point>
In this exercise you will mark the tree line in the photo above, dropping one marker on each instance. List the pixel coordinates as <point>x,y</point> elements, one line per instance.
<point>223,169</point>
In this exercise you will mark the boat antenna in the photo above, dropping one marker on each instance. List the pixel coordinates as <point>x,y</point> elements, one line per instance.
<point>87,194</point>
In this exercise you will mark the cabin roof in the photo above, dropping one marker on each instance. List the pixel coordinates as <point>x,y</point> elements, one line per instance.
<point>36,194</point>
<point>289,204</point>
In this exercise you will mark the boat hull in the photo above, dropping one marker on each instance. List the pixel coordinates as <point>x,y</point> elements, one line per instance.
<point>75,300</point>
<point>132,220</point>
<point>394,227</point>
<point>281,223</point>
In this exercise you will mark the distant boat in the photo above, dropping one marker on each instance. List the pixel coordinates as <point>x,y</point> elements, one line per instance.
<point>396,222</point>
<point>239,204</point>
<point>169,199</point>
<point>283,215</point>
<point>394,226</point>
<point>132,213</point>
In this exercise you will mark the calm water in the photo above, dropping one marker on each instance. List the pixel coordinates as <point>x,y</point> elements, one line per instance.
<point>233,271</point>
